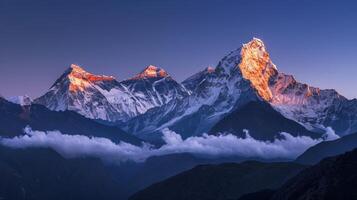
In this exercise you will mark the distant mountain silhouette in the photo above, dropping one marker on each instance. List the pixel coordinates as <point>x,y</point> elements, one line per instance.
<point>328,148</point>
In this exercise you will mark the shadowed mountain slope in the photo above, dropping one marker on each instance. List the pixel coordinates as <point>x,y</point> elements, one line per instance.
<point>14,118</point>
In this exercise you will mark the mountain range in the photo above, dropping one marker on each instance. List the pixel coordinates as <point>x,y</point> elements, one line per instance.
<point>245,75</point>
<point>103,97</point>
<point>152,100</point>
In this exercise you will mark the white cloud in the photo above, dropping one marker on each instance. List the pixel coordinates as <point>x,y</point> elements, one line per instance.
<point>330,134</point>
<point>70,146</point>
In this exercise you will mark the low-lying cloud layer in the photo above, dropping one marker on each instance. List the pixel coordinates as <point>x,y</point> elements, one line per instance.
<point>71,146</point>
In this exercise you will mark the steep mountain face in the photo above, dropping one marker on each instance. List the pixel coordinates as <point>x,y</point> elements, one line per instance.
<point>221,182</point>
<point>256,66</point>
<point>311,106</point>
<point>341,115</point>
<point>307,105</point>
<point>103,97</point>
<point>244,75</point>
<point>14,118</point>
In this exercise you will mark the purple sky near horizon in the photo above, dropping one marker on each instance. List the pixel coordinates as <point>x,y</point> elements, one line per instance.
<point>316,41</point>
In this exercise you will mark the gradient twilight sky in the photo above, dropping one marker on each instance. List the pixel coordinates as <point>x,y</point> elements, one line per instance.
<point>314,40</point>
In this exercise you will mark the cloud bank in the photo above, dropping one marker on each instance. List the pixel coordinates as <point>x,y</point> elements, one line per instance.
<point>72,146</point>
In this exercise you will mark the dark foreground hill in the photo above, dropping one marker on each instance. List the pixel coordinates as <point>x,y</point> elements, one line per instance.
<point>224,181</point>
<point>328,148</point>
<point>39,174</point>
<point>42,174</point>
<point>332,178</point>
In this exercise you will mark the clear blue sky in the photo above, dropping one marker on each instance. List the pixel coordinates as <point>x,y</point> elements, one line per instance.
<point>314,40</point>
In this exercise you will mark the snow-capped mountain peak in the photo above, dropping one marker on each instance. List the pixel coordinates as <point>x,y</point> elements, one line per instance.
<point>77,68</point>
<point>83,92</point>
<point>80,79</point>
<point>248,74</point>
<point>153,100</point>
<point>305,104</point>
<point>102,97</point>
<point>78,72</point>
<point>257,67</point>
<point>151,71</point>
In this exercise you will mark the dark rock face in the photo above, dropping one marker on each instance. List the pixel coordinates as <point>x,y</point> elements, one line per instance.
<point>262,121</point>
